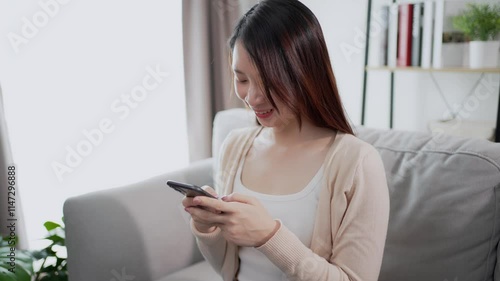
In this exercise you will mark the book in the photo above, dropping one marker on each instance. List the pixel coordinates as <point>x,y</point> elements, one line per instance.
<point>438,34</point>
<point>416,35</point>
<point>392,37</point>
<point>404,35</point>
<point>427,30</point>
<point>378,36</point>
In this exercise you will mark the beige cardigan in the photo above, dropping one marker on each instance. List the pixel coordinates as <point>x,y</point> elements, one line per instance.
<point>350,225</point>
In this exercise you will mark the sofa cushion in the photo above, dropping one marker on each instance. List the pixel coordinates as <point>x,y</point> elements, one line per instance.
<point>197,272</point>
<point>445,206</point>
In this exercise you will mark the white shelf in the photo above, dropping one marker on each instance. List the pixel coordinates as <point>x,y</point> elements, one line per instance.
<point>445,69</point>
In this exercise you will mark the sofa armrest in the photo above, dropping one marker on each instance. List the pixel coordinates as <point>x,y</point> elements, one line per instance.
<point>140,230</point>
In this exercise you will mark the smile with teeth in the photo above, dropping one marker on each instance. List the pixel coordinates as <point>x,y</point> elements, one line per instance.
<point>263,112</point>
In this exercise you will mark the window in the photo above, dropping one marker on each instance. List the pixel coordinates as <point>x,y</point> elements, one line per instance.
<point>94,97</point>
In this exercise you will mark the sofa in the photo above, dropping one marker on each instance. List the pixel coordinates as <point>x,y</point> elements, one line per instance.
<point>444,222</point>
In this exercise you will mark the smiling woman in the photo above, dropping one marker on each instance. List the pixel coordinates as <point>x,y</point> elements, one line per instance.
<point>98,92</point>
<point>302,198</point>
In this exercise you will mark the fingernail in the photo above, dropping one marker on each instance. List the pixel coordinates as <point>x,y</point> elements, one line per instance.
<point>187,209</point>
<point>197,200</point>
<point>224,198</point>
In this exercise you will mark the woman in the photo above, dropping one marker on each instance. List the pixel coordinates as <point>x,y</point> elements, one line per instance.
<point>305,199</point>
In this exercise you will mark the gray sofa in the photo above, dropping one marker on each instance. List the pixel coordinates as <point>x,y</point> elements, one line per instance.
<point>444,220</point>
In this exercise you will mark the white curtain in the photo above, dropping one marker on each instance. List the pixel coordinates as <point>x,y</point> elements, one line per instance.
<point>11,216</point>
<point>207,26</point>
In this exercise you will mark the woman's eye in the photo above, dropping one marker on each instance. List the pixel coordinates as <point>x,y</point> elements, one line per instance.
<point>242,80</point>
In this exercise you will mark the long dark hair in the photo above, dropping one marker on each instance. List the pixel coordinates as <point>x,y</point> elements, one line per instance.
<point>285,42</point>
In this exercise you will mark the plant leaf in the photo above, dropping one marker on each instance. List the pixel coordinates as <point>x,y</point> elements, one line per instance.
<point>49,269</point>
<point>56,240</point>
<point>23,263</point>
<point>50,225</point>
<point>479,21</point>
<point>21,274</point>
<point>41,254</point>
<point>49,276</point>
<point>6,275</point>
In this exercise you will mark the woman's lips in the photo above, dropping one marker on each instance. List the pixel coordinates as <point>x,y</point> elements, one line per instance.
<point>264,114</point>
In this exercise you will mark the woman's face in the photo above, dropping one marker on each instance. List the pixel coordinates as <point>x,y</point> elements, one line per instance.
<point>248,87</point>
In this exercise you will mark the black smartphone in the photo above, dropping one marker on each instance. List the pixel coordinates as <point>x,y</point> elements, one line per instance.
<point>189,190</point>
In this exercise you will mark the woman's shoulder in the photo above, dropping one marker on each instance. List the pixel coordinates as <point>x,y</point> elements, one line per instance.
<point>349,150</point>
<point>352,143</point>
<point>237,139</point>
<point>240,135</point>
<point>350,158</point>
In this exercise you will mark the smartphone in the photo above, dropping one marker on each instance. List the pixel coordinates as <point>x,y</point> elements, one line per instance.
<point>189,190</point>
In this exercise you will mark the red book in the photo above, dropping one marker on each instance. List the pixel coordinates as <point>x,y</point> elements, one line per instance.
<point>404,34</point>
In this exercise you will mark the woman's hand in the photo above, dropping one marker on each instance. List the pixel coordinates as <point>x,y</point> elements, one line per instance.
<point>242,219</point>
<point>200,224</point>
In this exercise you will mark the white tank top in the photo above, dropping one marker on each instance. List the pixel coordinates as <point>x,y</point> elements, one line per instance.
<point>296,211</point>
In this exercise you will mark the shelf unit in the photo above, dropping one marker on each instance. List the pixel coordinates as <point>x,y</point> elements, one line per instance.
<point>448,69</point>
<point>392,71</point>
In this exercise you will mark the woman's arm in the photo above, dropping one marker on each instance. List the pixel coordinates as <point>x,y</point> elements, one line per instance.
<point>212,246</point>
<point>359,244</point>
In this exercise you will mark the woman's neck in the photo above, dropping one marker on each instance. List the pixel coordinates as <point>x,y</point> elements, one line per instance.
<point>291,135</point>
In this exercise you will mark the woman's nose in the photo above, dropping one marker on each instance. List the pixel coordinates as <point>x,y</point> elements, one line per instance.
<point>254,96</point>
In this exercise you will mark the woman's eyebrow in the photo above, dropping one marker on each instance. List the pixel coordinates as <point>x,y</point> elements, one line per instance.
<point>238,71</point>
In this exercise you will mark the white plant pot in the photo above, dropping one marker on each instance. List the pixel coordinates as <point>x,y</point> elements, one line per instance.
<point>483,54</point>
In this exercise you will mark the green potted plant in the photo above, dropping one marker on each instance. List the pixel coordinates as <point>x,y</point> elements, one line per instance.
<point>481,23</point>
<point>15,264</point>
<point>51,264</point>
<point>53,257</point>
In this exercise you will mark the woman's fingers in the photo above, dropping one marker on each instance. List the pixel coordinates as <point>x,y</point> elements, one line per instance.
<point>236,197</point>
<point>217,206</point>
<point>224,205</point>
<point>242,219</point>
<point>188,202</point>
<point>203,216</point>
<point>210,190</point>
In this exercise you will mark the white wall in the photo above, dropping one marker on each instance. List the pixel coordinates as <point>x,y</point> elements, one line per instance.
<point>340,20</point>
<point>71,75</point>
<point>417,99</point>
